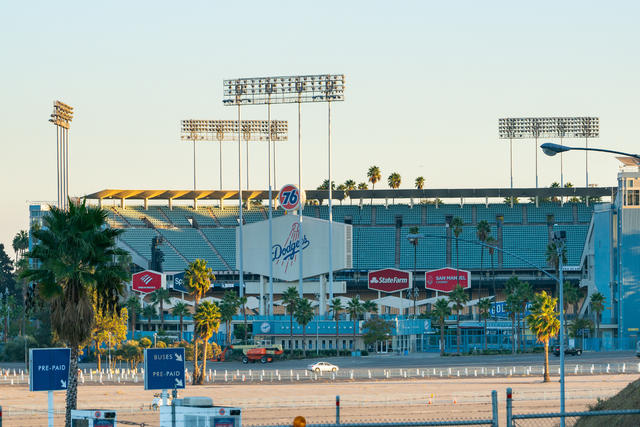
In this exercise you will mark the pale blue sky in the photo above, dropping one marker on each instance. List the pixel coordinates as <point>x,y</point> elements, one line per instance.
<point>426,84</point>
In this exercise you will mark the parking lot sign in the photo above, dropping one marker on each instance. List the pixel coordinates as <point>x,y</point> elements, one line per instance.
<point>164,368</point>
<point>49,369</point>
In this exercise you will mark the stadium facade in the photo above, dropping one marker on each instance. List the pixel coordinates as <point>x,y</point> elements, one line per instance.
<point>603,246</point>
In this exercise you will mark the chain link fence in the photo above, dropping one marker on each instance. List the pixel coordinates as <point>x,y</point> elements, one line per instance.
<point>619,418</point>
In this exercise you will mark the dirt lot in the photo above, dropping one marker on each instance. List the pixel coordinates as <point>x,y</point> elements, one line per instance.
<point>434,399</point>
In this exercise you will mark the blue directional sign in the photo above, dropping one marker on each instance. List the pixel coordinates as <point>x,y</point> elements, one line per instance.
<point>179,283</point>
<point>49,369</point>
<point>163,368</point>
<point>499,309</point>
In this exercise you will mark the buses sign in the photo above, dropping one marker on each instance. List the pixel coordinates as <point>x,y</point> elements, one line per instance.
<point>290,198</point>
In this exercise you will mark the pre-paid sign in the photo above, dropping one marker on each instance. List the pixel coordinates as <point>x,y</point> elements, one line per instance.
<point>163,368</point>
<point>49,369</point>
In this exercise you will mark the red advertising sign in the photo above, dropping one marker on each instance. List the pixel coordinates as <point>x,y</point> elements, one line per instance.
<point>389,280</point>
<point>446,279</point>
<point>146,281</point>
<point>290,197</point>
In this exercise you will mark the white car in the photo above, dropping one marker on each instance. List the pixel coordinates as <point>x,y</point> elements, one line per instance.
<point>322,367</point>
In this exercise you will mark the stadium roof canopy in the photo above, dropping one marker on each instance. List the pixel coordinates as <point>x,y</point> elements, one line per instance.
<point>443,193</point>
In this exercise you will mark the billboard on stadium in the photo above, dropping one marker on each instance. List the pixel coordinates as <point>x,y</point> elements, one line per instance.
<point>147,281</point>
<point>286,248</point>
<point>389,280</point>
<point>446,279</point>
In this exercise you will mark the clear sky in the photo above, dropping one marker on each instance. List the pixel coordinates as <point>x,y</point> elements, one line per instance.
<point>426,84</point>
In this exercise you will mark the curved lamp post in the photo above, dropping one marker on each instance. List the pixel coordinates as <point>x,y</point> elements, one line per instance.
<point>551,149</point>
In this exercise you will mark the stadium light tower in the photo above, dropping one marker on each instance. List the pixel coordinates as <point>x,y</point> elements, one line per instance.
<point>227,130</point>
<point>549,127</point>
<point>289,90</point>
<point>61,118</point>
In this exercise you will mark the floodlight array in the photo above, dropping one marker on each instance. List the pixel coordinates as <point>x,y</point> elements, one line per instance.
<point>284,89</point>
<point>227,130</point>
<point>62,114</point>
<point>549,127</point>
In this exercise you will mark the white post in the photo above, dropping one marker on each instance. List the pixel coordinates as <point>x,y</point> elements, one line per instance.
<point>50,409</point>
<point>261,285</point>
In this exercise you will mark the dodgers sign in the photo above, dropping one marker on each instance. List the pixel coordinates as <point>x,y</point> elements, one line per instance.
<point>163,368</point>
<point>49,369</point>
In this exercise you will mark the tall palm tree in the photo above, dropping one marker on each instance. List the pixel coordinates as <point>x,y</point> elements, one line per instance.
<point>525,294</point>
<point>289,299</point>
<point>180,309</point>
<point>459,298</point>
<point>440,312</point>
<point>349,185</point>
<point>551,255</point>
<point>513,306</point>
<point>76,261</point>
<point>483,230</point>
<point>571,296</point>
<point>149,311</point>
<point>354,308</point>
<point>457,224</point>
<point>484,307</point>
<point>341,189</point>
<point>374,175</point>
<point>419,183</point>
<point>242,301</point>
<point>206,322</point>
<point>544,322</point>
<point>159,297</point>
<point>336,307</point>
<point>597,306</point>
<point>198,278</point>
<point>20,243</point>
<point>228,308</point>
<point>303,315</point>
<point>394,180</point>
<point>491,242</point>
<point>133,307</point>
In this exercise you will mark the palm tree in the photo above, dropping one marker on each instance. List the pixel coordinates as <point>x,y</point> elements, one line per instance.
<point>374,175</point>
<point>206,322</point>
<point>414,242</point>
<point>363,186</point>
<point>551,255</point>
<point>491,242</point>
<point>440,312</point>
<point>354,308</point>
<point>597,306</point>
<point>180,309</point>
<point>544,322</point>
<point>394,180</point>
<point>525,294</point>
<point>228,308</point>
<point>457,224</point>
<point>75,261</point>
<point>459,298</point>
<point>484,307</point>
<point>133,307</point>
<point>149,311</point>
<point>513,306</point>
<point>483,230</point>
<point>370,307</point>
<point>20,243</point>
<point>289,299</point>
<point>160,296</point>
<point>419,182</point>
<point>571,296</point>
<point>336,307</point>
<point>242,301</point>
<point>349,185</point>
<point>198,278</point>
<point>303,315</point>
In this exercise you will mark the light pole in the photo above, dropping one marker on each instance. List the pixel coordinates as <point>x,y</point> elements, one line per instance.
<point>549,127</point>
<point>551,149</point>
<point>559,238</point>
<point>289,90</point>
<point>61,118</point>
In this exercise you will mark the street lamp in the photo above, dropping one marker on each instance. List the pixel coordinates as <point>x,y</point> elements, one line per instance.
<point>548,127</point>
<point>227,130</point>
<point>288,90</point>
<point>61,118</point>
<point>551,149</point>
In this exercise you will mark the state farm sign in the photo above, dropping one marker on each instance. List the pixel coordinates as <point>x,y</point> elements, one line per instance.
<point>446,279</point>
<point>389,280</point>
<point>146,281</point>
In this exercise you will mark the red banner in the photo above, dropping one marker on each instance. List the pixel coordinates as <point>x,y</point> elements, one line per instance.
<point>446,279</point>
<point>146,281</point>
<point>389,280</point>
